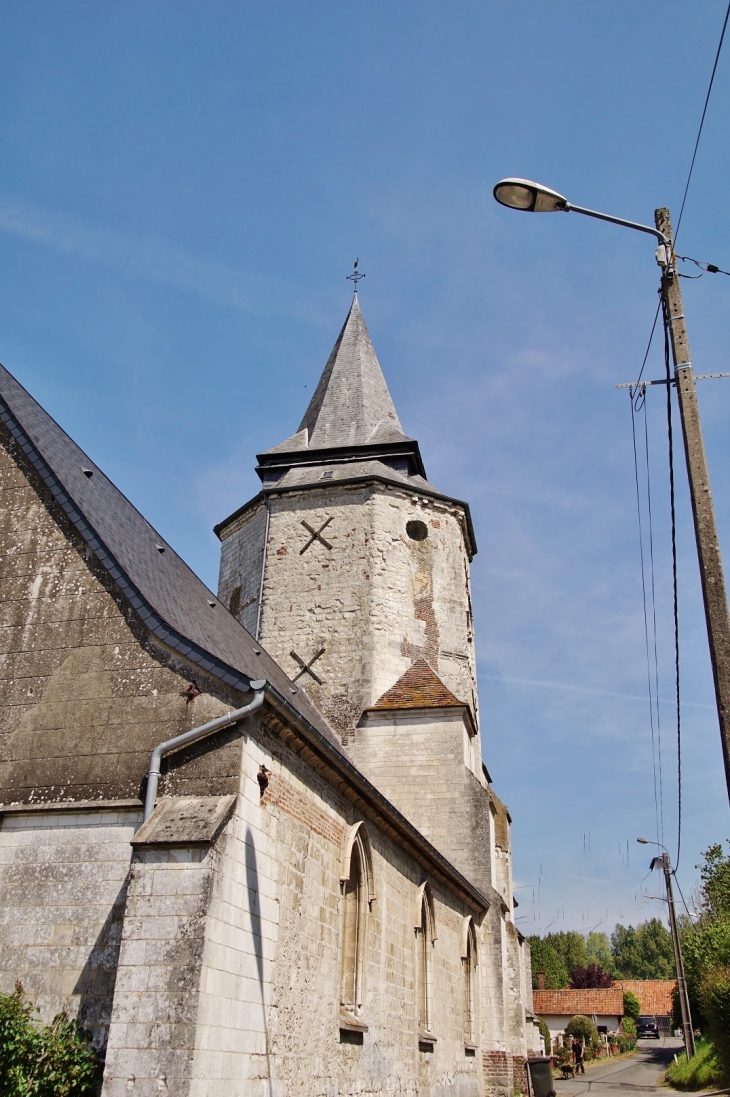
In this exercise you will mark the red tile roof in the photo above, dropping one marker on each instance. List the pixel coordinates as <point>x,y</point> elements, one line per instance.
<point>568,1003</point>
<point>655,995</point>
<point>419,687</point>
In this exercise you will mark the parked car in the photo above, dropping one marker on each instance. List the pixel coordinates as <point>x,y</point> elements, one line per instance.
<point>646,1028</point>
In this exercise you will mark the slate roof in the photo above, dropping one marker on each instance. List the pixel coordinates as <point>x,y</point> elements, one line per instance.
<point>351,405</point>
<point>169,597</point>
<point>568,1003</point>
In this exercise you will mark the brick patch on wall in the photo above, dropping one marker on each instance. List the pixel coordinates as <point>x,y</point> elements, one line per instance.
<point>282,794</point>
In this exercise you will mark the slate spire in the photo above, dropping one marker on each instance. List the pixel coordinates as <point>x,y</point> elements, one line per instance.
<point>351,405</point>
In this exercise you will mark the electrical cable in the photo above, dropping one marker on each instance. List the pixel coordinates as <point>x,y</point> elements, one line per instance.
<point>679,889</point>
<point>648,345</point>
<point>689,178</point>
<point>702,121</point>
<point>706,268</point>
<point>670,440</point>
<point>634,400</point>
<point>654,626</point>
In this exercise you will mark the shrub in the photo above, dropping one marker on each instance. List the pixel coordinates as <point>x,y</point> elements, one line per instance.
<point>545,1033</point>
<point>698,1073</point>
<point>629,1026</point>
<point>43,1060</point>
<point>714,994</point>
<point>632,1005</point>
<point>626,1043</point>
<point>584,1029</point>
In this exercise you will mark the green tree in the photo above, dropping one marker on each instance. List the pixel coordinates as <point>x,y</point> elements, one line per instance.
<point>598,950</point>
<point>715,876</point>
<point>632,1005</point>
<point>570,948</point>
<point>714,993</point>
<point>706,943</point>
<point>546,961</point>
<point>644,952</point>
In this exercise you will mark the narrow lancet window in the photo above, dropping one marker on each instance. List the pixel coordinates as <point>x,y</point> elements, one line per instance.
<point>424,926</point>
<point>469,975</point>
<point>357,896</point>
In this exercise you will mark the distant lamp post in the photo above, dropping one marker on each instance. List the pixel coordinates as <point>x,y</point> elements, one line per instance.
<point>531,197</point>
<point>663,863</point>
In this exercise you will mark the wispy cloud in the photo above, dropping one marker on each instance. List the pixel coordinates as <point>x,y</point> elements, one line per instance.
<point>137,256</point>
<point>586,689</point>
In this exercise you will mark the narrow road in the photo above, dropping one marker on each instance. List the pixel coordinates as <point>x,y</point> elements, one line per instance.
<point>641,1073</point>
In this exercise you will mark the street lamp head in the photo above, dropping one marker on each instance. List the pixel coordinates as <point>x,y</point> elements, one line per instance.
<point>644,841</point>
<point>528,196</point>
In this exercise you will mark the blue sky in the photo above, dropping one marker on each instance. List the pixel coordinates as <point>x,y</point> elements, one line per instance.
<point>183,189</point>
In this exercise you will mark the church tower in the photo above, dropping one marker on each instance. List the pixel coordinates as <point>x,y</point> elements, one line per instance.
<point>352,571</point>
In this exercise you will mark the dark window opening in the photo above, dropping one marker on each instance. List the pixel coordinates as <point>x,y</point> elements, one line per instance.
<point>417,531</point>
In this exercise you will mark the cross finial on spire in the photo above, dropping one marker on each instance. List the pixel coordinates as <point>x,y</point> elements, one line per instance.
<point>355,276</point>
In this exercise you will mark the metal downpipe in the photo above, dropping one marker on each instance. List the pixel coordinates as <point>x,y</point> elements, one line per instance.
<point>153,774</point>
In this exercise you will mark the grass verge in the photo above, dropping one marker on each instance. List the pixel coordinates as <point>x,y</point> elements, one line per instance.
<point>699,1073</point>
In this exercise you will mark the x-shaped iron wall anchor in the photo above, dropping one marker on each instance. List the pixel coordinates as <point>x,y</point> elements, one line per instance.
<point>316,536</point>
<point>307,667</point>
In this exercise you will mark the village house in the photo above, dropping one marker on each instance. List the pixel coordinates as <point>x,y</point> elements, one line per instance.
<point>605,1008</point>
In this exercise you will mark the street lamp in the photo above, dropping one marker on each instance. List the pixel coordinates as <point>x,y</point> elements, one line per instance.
<point>663,863</point>
<point>531,197</point>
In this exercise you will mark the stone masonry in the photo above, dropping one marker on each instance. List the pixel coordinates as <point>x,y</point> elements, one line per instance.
<point>207,950</point>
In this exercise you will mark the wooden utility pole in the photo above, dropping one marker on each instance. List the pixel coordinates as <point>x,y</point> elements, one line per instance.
<point>689,1036</point>
<point>708,545</point>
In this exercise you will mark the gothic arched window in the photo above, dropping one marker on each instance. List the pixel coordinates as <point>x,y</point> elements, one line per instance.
<point>356,879</point>
<point>469,960</point>
<point>425,927</point>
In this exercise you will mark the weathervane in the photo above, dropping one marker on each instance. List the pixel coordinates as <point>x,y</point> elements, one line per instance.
<point>355,276</point>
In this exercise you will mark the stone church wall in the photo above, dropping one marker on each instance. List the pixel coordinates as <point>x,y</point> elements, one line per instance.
<point>238,948</point>
<point>63,881</point>
<point>83,701</point>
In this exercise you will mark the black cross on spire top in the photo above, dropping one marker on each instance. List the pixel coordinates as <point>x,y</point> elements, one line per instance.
<point>355,276</point>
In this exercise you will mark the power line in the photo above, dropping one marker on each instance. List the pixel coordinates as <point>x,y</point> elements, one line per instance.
<point>702,121</point>
<point>706,268</point>
<point>670,440</point>
<point>689,179</point>
<point>637,401</point>
<point>648,345</point>
<point>654,628</point>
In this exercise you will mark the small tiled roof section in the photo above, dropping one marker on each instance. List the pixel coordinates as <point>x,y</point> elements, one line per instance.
<point>419,687</point>
<point>655,995</point>
<point>568,1003</point>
